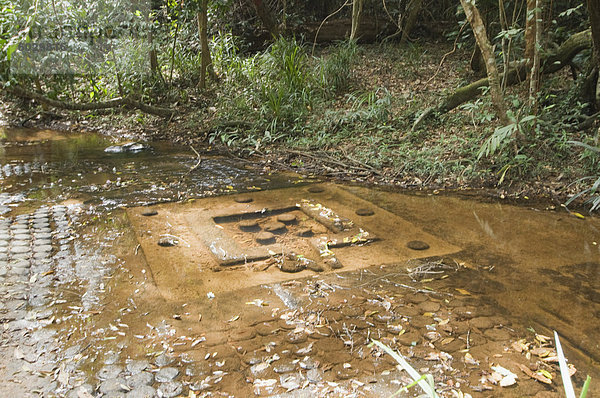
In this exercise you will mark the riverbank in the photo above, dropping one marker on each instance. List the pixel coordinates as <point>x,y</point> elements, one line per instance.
<point>365,134</point>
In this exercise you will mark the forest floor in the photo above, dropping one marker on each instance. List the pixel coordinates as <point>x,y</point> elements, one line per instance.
<point>366,135</point>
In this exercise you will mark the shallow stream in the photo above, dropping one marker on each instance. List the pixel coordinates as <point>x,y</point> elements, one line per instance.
<point>83,311</point>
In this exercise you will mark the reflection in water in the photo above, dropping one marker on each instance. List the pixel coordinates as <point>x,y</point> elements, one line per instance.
<point>539,266</point>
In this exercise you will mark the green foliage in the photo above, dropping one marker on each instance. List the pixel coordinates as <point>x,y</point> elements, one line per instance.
<point>336,68</point>
<point>425,381</point>
<point>504,135</point>
<point>593,190</point>
<point>277,90</point>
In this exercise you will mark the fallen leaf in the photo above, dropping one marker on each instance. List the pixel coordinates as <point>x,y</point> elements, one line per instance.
<point>462,291</point>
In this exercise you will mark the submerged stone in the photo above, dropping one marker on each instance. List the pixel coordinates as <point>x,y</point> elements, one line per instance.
<point>170,389</point>
<point>248,225</point>
<point>243,199</point>
<point>364,212</point>
<point>129,147</point>
<point>417,245</point>
<point>265,238</point>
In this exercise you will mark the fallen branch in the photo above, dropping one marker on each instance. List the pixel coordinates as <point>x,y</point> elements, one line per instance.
<point>550,64</point>
<point>74,106</point>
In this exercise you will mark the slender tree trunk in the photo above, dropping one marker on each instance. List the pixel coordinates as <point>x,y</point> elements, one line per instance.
<point>530,31</point>
<point>206,64</point>
<point>414,7</point>
<point>152,53</point>
<point>534,75</point>
<point>487,51</point>
<point>357,6</point>
<point>266,17</point>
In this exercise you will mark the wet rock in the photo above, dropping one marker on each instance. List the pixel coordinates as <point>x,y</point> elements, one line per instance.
<point>163,360</point>
<point>286,366</point>
<point>287,218</point>
<point>329,344</point>
<point>334,263</point>
<point>417,245</point>
<point>20,250</point>
<point>149,213</point>
<point>482,322</point>
<point>140,379</point>
<point>109,372</point>
<point>314,375</point>
<point>275,227</point>
<point>167,241</point>
<point>249,225</point>
<point>243,199</point>
<point>81,391</point>
<point>291,266</point>
<point>265,329</point>
<point>316,189</point>
<point>42,248</point>
<point>296,338</point>
<point>305,232</point>
<point>242,334</point>
<point>166,374</point>
<point>344,373</point>
<point>137,366</point>
<point>497,334</point>
<point>142,392</point>
<point>429,306</point>
<point>351,311</point>
<point>129,147</point>
<point>409,339</point>
<point>170,389</point>
<point>113,385</point>
<point>265,238</point>
<point>315,267</point>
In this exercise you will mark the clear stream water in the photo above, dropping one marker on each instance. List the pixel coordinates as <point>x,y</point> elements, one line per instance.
<point>538,267</point>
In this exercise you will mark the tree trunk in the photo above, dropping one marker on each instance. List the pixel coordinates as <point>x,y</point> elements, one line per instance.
<point>19,91</point>
<point>414,7</point>
<point>487,51</point>
<point>266,17</point>
<point>534,76</point>
<point>530,32</point>
<point>357,6</point>
<point>594,12</point>
<point>206,62</point>
<point>550,64</point>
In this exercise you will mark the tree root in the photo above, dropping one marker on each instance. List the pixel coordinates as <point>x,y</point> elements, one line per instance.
<point>73,106</point>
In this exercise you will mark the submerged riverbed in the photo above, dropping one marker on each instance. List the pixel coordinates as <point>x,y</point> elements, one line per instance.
<point>92,305</point>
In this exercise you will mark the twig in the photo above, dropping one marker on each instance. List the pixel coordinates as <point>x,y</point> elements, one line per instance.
<point>197,163</point>
<point>324,20</point>
<point>447,54</point>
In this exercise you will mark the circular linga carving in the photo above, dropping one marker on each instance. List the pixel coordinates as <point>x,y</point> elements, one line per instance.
<point>364,212</point>
<point>243,199</point>
<point>287,218</point>
<point>316,189</point>
<point>249,225</point>
<point>417,245</point>
<point>275,227</point>
<point>149,213</point>
<point>305,232</point>
<point>265,238</point>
